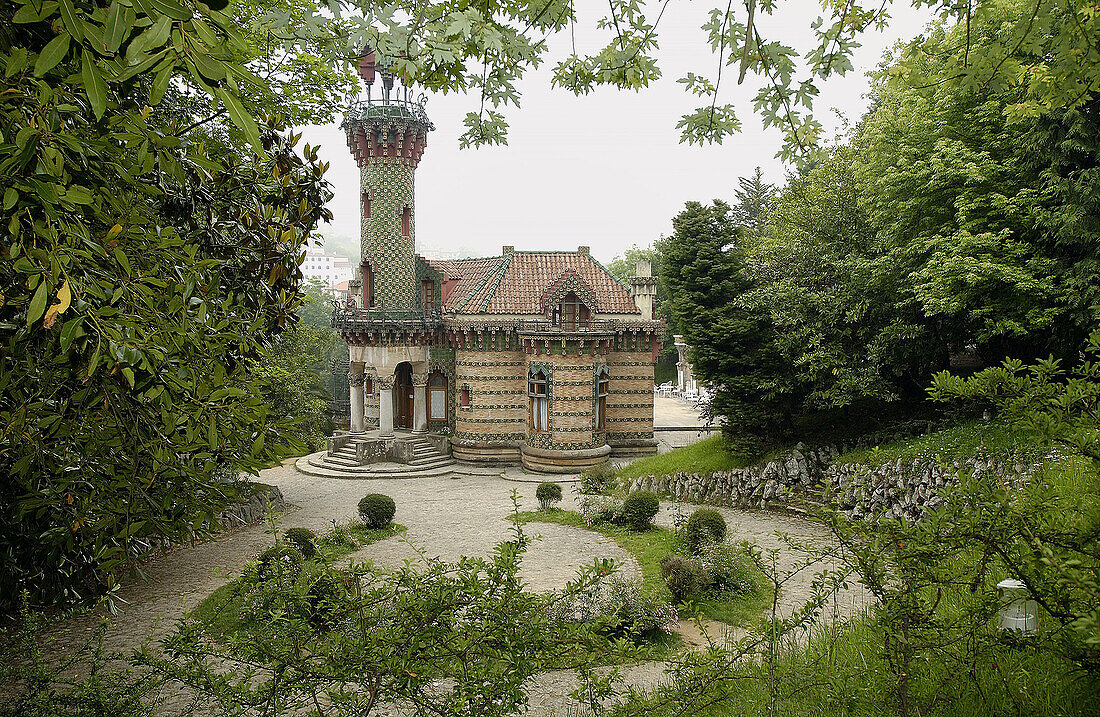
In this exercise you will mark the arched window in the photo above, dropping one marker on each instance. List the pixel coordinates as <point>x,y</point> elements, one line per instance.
<point>437,397</point>
<point>603,381</point>
<point>464,397</point>
<point>368,285</point>
<point>538,389</point>
<point>368,386</point>
<point>406,220</point>
<point>571,314</point>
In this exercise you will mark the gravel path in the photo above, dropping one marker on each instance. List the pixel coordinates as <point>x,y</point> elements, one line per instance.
<point>445,517</point>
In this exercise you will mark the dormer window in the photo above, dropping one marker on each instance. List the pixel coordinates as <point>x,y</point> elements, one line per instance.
<point>571,314</point>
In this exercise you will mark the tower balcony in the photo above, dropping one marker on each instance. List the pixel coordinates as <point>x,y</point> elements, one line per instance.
<point>385,322</point>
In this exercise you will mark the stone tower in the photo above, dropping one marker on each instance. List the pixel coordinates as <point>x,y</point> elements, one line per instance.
<point>387,135</point>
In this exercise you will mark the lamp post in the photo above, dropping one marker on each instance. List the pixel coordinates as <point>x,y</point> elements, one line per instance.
<point>1019,613</point>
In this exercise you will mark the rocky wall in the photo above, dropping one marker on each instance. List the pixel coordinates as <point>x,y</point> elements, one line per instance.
<point>902,490</point>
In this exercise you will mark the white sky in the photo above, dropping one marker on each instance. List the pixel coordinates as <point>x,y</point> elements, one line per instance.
<point>606,170</point>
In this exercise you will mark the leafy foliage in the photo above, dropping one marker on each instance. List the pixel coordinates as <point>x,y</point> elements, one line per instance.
<point>82,683</point>
<point>733,344</point>
<point>548,494</point>
<point>304,540</point>
<point>703,526</point>
<point>639,509</point>
<point>382,637</point>
<point>143,278</point>
<point>377,510</point>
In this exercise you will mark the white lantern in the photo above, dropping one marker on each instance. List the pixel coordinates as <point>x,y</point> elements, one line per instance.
<point>1019,613</point>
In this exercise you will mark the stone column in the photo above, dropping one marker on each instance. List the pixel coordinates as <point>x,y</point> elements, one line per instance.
<point>385,405</point>
<point>420,402</point>
<point>355,382</point>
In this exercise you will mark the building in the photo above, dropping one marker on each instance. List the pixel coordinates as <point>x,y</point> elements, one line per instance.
<point>329,269</point>
<point>543,357</point>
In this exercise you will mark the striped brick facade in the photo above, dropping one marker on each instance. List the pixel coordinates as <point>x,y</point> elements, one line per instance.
<point>485,324</point>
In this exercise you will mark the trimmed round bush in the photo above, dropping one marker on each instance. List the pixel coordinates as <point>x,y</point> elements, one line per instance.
<point>377,510</point>
<point>685,577</point>
<point>704,526</point>
<point>548,494</point>
<point>304,540</point>
<point>639,509</point>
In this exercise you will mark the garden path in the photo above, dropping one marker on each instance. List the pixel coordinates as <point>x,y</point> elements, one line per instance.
<point>446,518</point>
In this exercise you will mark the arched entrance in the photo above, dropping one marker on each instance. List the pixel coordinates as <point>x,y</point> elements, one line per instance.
<point>403,396</point>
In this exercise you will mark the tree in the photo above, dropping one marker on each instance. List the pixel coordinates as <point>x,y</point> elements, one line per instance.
<point>754,201</point>
<point>295,371</point>
<point>143,277</point>
<point>733,345</point>
<point>485,50</point>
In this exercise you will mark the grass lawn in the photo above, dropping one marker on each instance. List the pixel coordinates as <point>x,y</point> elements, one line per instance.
<point>706,456</point>
<point>961,441</point>
<point>648,548</point>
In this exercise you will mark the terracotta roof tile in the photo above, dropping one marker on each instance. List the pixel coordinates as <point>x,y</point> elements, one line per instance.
<point>515,283</point>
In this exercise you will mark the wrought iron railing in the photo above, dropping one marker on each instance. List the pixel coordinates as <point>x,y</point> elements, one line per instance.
<point>395,107</point>
<point>349,319</point>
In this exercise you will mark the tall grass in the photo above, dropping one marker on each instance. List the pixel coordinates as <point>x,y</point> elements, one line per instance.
<point>705,457</point>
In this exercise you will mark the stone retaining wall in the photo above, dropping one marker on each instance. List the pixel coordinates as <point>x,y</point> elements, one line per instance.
<point>254,509</point>
<point>906,490</point>
<point>898,489</point>
<point>772,484</point>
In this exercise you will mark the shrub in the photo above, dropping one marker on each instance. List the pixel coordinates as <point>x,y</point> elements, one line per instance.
<point>303,540</point>
<point>280,559</point>
<point>600,509</point>
<point>685,577</point>
<point>548,494</point>
<point>726,569</point>
<point>377,510</point>
<point>639,509</point>
<point>598,479</point>
<point>704,526</point>
<point>618,606</point>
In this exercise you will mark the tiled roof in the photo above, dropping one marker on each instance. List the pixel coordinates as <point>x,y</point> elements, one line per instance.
<point>342,286</point>
<point>514,283</point>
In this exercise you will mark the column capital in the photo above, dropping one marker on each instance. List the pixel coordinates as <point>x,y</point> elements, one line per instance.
<point>420,379</point>
<point>356,379</point>
<point>387,381</point>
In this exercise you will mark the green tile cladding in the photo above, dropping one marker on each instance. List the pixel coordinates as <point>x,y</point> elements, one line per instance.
<point>388,182</point>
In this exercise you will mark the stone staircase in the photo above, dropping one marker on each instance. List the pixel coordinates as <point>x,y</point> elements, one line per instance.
<point>426,461</point>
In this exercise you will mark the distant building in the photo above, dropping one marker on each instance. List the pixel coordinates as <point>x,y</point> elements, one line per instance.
<point>340,292</point>
<point>329,269</point>
<point>542,357</point>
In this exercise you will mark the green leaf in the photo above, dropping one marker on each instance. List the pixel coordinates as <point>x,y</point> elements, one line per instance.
<point>258,445</point>
<point>94,86</point>
<point>54,51</point>
<point>72,23</point>
<point>11,196</point>
<point>122,260</point>
<point>242,119</point>
<point>172,9</point>
<point>38,304</point>
<point>117,26</point>
<point>160,84</point>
